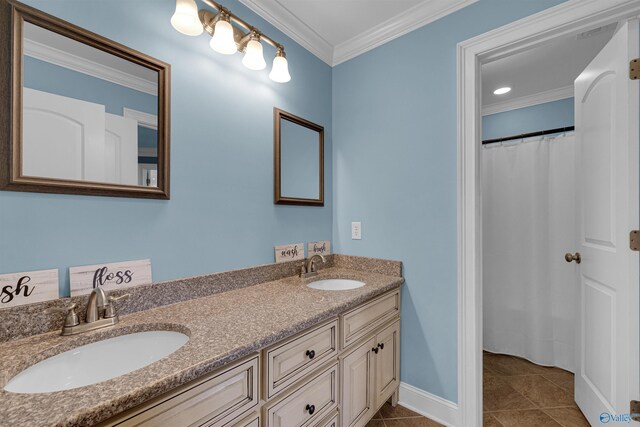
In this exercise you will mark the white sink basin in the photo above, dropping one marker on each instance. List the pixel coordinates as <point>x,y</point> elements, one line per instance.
<point>335,284</point>
<point>97,362</point>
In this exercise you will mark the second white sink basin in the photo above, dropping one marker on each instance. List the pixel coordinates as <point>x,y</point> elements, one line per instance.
<point>97,362</point>
<point>335,284</point>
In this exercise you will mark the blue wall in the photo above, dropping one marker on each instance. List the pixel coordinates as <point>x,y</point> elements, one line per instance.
<point>394,160</point>
<point>221,214</point>
<point>550,115</point>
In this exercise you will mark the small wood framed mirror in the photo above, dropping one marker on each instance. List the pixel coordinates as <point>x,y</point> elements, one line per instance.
<point>299,160</point>
<point>79,113</point>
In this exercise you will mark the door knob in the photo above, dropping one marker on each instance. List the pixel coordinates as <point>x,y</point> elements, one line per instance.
<point>569,257</point>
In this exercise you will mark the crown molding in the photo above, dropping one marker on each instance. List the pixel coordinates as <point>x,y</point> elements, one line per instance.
<point>399,25</point>
<point>528,101</point>
<point>285,21</point>
<point>73,62</point>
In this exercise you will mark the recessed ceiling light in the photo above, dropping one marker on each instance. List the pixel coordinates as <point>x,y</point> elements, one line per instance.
<point>501,90</point>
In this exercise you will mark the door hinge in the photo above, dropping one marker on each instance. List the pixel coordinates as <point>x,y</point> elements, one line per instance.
<point>634,410</point>
<point>634,69</point>
<point>634,240</point>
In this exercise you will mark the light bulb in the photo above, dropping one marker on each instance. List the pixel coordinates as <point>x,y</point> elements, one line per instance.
<point>502,90</point>
<point>222,40</point>
<point>185,19</point>
<point>280,70</point>
<point>253,58</point>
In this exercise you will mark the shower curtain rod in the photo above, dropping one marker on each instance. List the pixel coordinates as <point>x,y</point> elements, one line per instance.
<point>529,135</point>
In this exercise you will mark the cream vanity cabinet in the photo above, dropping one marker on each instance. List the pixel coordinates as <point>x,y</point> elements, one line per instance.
<point>335,374</point>
<point>371,365</point>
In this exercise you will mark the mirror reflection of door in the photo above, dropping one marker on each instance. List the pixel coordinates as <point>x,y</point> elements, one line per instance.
<point>87,115</point>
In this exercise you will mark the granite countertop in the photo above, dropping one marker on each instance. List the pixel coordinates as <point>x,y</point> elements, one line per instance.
<point>222,328</point>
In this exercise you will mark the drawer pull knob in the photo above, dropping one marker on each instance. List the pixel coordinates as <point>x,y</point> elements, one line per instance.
<point>310,409</point>
<point>381,346</point>
<point>375,350</point>
<point>311,354</point>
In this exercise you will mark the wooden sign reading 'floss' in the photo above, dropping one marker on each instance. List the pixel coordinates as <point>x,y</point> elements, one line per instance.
<point>117,275</point>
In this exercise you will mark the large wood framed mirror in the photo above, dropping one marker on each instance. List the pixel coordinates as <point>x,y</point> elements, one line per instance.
<point>299,160</point>
<point>79,113</point>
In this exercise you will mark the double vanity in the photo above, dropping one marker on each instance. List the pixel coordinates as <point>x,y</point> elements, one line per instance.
<point>281,351</point>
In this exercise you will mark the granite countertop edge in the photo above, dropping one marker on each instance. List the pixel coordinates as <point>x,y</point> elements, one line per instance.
<point>98,410</point>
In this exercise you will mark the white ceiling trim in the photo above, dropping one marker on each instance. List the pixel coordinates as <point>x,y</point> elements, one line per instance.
<point>280,17</point>
<point>73,62</point>
<point>409,20</point>
<point>416,17</point>
<point>529,100</point>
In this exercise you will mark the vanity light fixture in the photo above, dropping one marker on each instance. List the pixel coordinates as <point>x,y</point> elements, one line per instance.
<point>280,70</point>
<point>222,40</point>
<point>253,56</point>
<point>502,90</point>
<point>227,38</point>
<point>185,19</point>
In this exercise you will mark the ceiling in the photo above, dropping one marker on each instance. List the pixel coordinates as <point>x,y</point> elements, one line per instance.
<point>541,74</point>
<point>338,30</point>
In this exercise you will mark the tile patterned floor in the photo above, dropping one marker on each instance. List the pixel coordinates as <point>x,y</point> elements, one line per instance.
<point>388,416</point>
<point>523,394</point>
<point>517,393</point>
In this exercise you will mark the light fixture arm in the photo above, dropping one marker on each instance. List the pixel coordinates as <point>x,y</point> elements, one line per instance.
<point>234,19</point>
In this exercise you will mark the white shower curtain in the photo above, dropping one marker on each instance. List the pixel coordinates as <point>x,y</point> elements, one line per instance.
<point>530,292</point>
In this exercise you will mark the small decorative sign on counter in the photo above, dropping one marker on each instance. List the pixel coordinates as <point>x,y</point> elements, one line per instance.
<point>322,247</point>
<point>27,288</point>
<point>117,275</point>
<point>291,252</point>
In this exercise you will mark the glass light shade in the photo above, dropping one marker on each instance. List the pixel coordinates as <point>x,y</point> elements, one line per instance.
<point>280,70</point>
<point>222,40</point>
<point>185,19</point>
<point>253,58</point>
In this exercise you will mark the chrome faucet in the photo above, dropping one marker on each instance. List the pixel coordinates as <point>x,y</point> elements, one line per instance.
<point>308,269</point>
<point>100,313</point>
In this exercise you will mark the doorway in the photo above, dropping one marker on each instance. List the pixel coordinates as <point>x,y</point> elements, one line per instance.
<point>530,292</point>
<point>571,18</point>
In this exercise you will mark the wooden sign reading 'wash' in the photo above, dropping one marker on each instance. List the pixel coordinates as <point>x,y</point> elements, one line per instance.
<point>27,288</point>
<point>117,275</point>
<point>289,252</point>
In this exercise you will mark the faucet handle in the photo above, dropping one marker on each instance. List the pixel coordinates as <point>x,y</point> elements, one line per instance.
<point>121,297</point>
<point>72,317</point>
<point>109,309</point>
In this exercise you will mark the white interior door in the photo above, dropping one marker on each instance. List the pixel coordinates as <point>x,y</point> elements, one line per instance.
<point>121,150</point>
<point>77,150</point>
<point>606,103</point>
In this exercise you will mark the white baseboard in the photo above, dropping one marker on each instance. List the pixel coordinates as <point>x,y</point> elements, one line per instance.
<point>431,406</point>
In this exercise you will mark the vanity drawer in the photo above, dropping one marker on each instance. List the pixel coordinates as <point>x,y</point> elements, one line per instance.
<point>213,401</point>
<point>252,420</point>
<point>367,317</point>
<point>332,421</point>
<point>291,360</point>
<point>319,396</point>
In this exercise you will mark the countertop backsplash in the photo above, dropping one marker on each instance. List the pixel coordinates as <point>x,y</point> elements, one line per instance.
<point>33,319</point>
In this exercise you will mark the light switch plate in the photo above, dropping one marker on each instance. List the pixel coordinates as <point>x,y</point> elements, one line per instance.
<point>356,230</point>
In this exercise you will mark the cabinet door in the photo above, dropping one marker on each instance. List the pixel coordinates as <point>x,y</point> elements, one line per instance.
<point>358,385</point>
<point>387,362</point>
